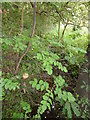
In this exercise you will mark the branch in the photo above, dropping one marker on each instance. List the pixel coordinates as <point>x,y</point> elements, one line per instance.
<point>34,20</point>
<point>66,3</point>
<point>22,19</point>
<point>32,5</point>
<point>39,12</point>
<point>28,46</point>
<point>64,29</point>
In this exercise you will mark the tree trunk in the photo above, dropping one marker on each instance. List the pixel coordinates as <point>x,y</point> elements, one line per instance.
<point>28,46</point>
<point>64,30</point>
<point>59,28</point>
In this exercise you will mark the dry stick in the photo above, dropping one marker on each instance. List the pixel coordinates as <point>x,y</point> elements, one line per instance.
<point>28,46</point>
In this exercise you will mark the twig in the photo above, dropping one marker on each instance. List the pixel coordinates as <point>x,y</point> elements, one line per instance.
<point>28,46</point>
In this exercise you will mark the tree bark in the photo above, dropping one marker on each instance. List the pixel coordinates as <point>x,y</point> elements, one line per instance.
<point>28,46</point>
<point>59,28</point>
<point>22,19</point>
<point>64,30</point>
<point>17,54</point>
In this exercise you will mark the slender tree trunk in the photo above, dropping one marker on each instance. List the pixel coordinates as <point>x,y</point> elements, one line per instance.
<point>59,28</point>
<point>22,19</point>
<point>33,31</point>
<point>17,54</point>
<point>64,30</point>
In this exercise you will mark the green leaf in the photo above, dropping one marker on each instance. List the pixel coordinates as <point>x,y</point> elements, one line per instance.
<point>39,56</point>
<point>49,69</point>
<point>43,102</point>
<point>42,87</point>
<point>14,88</point>
<point>59,93</point>
<point>55,63</point>
<point>68,108</point>
<point>49,106</point>
<point>44,107</point>
<point>33,85</point>
<point>35,81</point>
<point>46,85</point>
<point>61,81</point>
<point>31,82</point>
<point>18,115</point>
<point>51,60</point>
<point>8,84</point>
<point>64,95</point>
<point>59,65</point>
<point>41,82</point>
<point>82,86</point>
<point>49,100</point>
<point>51,95</point>
<point>75,108</point>
<point>65,69</point>
<point>48,91</point>
<point>37,86</point>
<point>45,97</point>
<point>70,97</point>
<point>0,73</point>
<point>47,94</point>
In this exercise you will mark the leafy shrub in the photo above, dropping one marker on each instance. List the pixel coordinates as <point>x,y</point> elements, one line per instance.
<point>45,53</point>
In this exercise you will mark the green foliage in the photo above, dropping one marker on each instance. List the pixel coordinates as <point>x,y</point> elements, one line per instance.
<point>17,43</point>
<point>67,98</point>
<point>17,115</point>
<point>68,108</point>
<point>46,102</point>
<point>39,86</point>
<point>75,47</point>
<point>48,59</point>
<point>86,86</point>
<point>75,108</point>
<point>85,104</point>
<point>46,52</point>
<point>26,107</point>
<point>10,84</point>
